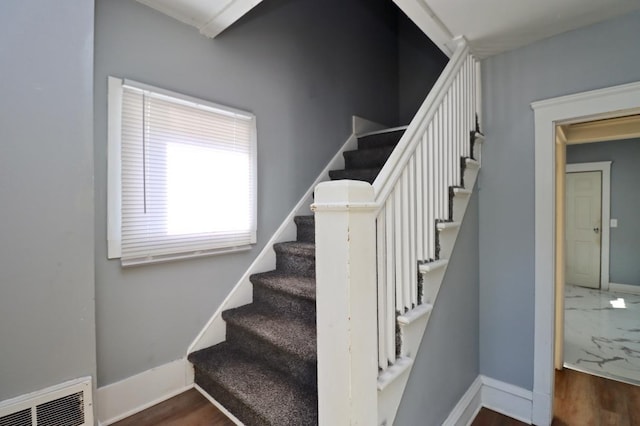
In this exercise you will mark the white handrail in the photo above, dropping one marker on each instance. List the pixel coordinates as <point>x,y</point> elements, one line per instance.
<point>392,169</point>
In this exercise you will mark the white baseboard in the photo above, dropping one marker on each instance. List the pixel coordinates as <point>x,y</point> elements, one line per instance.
<point>507,399</point>
<point>510,400</point>
<point>468,407</point>
<point>624,288</point>
<point>136,393</point>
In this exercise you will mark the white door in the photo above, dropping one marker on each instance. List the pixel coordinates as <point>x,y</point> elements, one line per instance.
<point>583,228</point>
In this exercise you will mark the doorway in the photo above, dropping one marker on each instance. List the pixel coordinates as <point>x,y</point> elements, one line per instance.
<point>598,104</point>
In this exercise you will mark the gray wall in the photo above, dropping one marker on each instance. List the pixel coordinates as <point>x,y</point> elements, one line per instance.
<point>302,81</point>
<point>625,202</point>
<point>47,332</point>
<point>447,362</point>
<point>420,63</point>
<point>602,55</point>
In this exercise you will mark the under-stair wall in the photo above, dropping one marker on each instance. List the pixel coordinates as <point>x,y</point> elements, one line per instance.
<point>447,360</point>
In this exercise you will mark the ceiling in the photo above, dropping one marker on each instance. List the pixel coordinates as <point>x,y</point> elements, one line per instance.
<point>495,26</point>
<point>491,26</point>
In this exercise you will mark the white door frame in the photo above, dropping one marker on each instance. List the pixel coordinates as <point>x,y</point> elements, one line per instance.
<point>597,104</point>
<point>605,168</point>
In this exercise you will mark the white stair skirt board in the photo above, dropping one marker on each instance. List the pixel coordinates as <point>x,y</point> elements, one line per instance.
<point>468,407</point>
<point>136,393</point>
<point>219,406</point>
<point>215,330</point>
<point>624,288</point>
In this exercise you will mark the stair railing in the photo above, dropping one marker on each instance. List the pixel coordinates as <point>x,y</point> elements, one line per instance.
<point>412,192</point>
<point>370,240</point>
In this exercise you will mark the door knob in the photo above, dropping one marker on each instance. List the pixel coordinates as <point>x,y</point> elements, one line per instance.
<point>596,230</point>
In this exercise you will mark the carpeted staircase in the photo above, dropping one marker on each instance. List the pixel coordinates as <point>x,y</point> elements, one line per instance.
<point>265,372</point>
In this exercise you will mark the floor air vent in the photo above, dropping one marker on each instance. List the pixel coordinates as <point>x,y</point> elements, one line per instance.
<point>68,404</point>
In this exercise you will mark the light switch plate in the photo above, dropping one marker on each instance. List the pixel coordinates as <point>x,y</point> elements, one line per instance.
<point>614,223</point>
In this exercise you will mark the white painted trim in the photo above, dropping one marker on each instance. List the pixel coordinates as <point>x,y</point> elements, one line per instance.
<point>114,168</point>
<point>426,19</point>
<point>624,288</point>
<point>221,14</point>
<point>605,168</point>
<point>507,399</point>
<point>382,131</point>
<point>136,393</point>
<point>219,406</point>
<point>361,125</point>
<point>504,398</point>
<point>603,103</point>
<point>234,10</point>
<point>467,407</point>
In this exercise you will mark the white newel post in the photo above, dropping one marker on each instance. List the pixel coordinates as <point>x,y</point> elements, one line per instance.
<point>346,303</point>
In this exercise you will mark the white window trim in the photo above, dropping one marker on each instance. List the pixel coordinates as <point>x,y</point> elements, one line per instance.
<point>114,169</point>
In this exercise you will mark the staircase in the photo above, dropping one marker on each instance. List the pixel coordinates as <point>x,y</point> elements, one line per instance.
<point>264,373</point>
<point>329,336</point>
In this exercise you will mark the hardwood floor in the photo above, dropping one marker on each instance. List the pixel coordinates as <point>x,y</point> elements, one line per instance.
<point>583,399</point>
<point>187,409</point>
<point>580,400</point>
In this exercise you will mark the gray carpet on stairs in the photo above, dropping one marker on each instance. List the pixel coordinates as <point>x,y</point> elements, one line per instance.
<point>265,373</point>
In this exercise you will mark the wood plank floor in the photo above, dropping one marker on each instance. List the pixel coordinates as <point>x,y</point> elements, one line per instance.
<point>187,409</point>
<point>580,400</point>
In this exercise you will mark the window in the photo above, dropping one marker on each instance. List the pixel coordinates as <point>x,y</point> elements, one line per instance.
<point>182,175</point>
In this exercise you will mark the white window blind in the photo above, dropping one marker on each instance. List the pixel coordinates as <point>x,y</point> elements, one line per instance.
<point>187,175</point>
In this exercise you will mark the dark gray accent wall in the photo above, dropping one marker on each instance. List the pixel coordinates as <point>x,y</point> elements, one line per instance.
<point>47,321</point>
<point>420,63</point>
<point>447,362</point>
<point>624,249</point>
<point>304,68</point>
<point>598,56</point>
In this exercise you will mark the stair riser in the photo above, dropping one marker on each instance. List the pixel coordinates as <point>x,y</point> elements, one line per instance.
<point>383,139</point>
<point>302,370</point>
<point>242,411</point>
<point>295,264</point>
<point>284,304</point>
<point>354,174</point>
<point>306,232</point>
<point>366,158</point>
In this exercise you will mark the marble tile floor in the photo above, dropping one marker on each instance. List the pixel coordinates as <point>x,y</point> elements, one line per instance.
<point>602,333</point>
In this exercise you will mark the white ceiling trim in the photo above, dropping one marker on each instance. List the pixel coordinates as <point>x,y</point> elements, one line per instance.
<point>210,17</point>
<point>430,24</point>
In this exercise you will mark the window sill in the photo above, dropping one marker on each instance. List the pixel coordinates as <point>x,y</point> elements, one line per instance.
<point>126,263</point>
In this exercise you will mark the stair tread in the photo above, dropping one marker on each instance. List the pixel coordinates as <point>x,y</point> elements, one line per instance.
<point>301,248</point>
<point>295,285</point>
<point>274,398</point>
<point>297,338</point>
